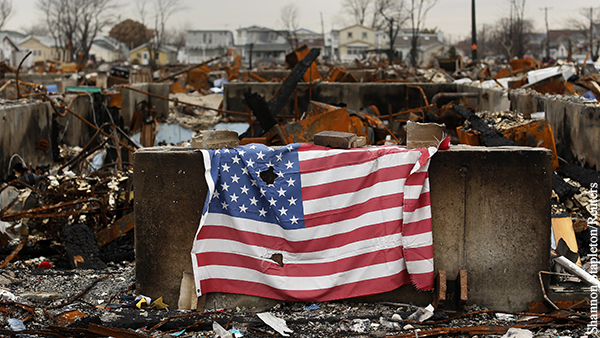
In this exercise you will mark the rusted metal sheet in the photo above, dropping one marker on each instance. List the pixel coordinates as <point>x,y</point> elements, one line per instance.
<point>115,230</point>
<point>114,332</point>
<point>67,318</point>
<point>471,137</point>
<point>304,130</point>
<point>541,307</point>
<point>296,56</point>
<point>536,133</point>
<point>338,74</point>
<point>115,100</point>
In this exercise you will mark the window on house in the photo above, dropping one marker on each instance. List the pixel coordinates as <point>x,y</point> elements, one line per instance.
<point>257,55</point>
<point>139,55</point>
<point>349,34</point>
<point>364,35</point>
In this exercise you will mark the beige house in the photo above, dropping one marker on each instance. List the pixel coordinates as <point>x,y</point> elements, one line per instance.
<point>43,47</point>
<point>141,55</point>
<point>355,41</point>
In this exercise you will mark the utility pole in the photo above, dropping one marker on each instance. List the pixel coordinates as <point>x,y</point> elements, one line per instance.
<point>473,32</point>
<point>591,33</point>
<point>547,32</point>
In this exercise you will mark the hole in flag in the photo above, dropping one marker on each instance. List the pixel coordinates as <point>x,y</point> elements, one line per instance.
<point>268,176</point>
<point>277,258</point>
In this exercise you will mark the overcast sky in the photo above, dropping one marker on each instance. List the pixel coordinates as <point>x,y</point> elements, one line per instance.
<point>452,17</point>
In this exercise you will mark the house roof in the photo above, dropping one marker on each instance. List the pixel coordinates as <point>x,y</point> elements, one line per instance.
<point>7,37</point>
<point>44,40</point>
<point>164,48</point>
<point>362,26</point>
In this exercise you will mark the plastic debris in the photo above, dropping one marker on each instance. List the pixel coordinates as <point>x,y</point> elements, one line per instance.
<point>422,314</point>
<point>360,325</point>
<point>275,323</point>
<point>158,304</point>
<point>312,307</point>
<point>220,331</point>
<point>177,334</point>
<point>517,333</point>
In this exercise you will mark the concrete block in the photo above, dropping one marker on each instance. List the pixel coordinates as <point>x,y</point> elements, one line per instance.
<point>335,139</point>
<point>170,190</point>
<point>490,215</point>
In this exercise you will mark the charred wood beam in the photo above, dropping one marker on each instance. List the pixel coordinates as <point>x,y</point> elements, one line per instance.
<point>266,112</point>
<point>490,137</point>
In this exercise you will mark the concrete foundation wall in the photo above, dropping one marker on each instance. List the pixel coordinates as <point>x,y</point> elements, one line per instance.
<point>576,126</point>
<point>132,98</point>
<point>77,133</point>
<point>490,208</point>
<point>354,95</point>
<point>22,127</point>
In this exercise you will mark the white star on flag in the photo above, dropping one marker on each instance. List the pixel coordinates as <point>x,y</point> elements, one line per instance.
<point>260,155</point>
<point>235,178</point>
<point>281,192</point>
<point>289,165</point>
<point>272,201</point>
<point>225,186</point>
<point>294,220</point>
<point>244,190</point>
<point>283,211</point>
<point>234,197</point>
<point>243,208</point>
<point>225,167</point>
<point>253,201</point>
<point>290,182</point>
<point>292,200</point>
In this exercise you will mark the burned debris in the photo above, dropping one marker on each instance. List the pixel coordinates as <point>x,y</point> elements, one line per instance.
<point>70,216</point>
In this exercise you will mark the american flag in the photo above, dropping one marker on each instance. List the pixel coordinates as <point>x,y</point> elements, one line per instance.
<point>332,224</point>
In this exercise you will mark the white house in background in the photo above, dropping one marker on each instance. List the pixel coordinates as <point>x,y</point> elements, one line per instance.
<point>355,41</point>
<point>265,45</point>
<point>202,45</point>
<point>428,46</point>
<point>107,49</point>
<point>332,46</point>
<point>10,52</point>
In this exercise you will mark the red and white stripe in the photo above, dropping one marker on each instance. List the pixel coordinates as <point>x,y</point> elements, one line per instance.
<point>367,230</point>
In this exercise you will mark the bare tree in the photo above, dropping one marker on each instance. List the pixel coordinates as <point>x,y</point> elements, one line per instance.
<point>290,24</point>
<point>75,23</point>
<point>176,36</point>
<point>357,9</point>
<point>511,34</point>
<point>38,28</point>
<point>393,15</point>
<point>417,12</point>
<point>587,29</point>
<point>6,11</point>
<point>163,10</point>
